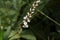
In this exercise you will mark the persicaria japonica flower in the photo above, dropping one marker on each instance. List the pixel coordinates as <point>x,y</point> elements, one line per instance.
<point>26,18</point>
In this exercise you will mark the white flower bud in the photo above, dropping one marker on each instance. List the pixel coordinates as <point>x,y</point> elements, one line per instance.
<point>33,5</point>
<point>33,9</point>
<point>24,17</point>
<point>28,20</point>
<point>38,1</point>
<point>28,14</point>
<point>32,12</point>
<point>24,22</point>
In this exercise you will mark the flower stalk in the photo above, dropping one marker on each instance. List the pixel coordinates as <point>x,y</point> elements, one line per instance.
<point>26,18</point>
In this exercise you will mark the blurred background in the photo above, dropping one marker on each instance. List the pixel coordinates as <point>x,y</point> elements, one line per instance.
<point>44,25</point>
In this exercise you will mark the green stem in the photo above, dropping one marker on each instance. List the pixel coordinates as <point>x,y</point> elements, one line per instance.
<point>49,18</point>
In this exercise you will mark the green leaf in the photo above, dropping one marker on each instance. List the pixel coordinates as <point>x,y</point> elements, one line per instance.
<point>28,35</point>
<point>6,34</point>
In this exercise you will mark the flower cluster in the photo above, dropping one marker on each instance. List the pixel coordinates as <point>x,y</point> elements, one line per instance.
<point>26,18</point>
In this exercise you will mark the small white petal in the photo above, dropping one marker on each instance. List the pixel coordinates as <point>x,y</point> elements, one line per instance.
<point>28,14</point>
<point>32,12</point>
<point>24,17</point>
<point>33,5</point>
<point>25,23</point>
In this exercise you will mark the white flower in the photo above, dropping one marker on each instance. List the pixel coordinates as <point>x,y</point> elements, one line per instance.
<point>24,22</point>
<point>25,26</point>
<point>25,17</point>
